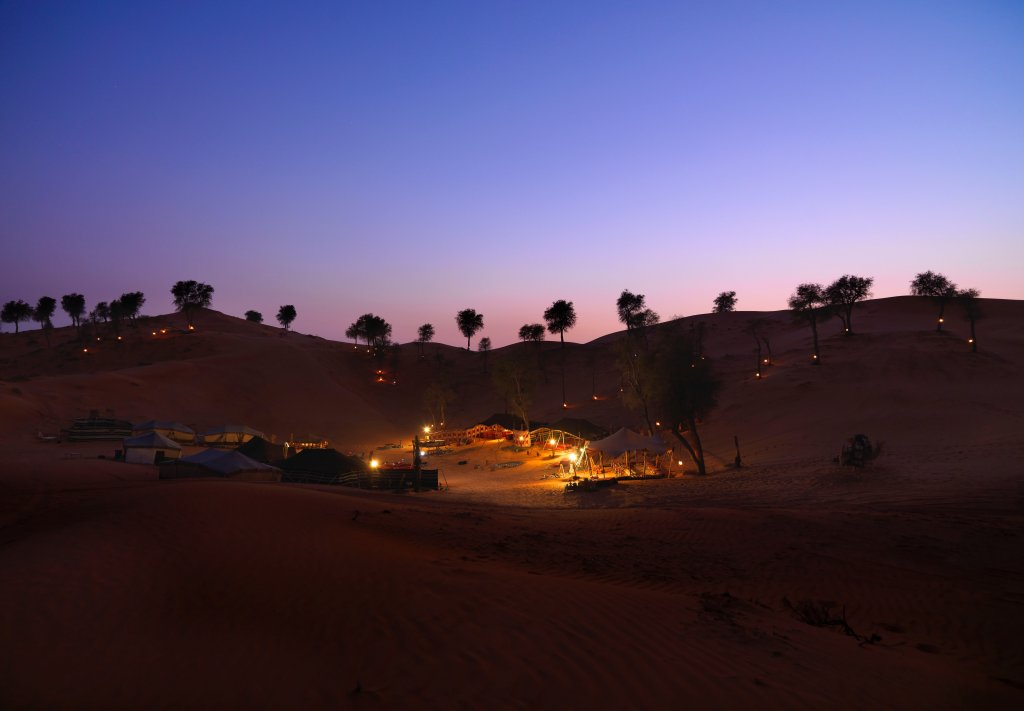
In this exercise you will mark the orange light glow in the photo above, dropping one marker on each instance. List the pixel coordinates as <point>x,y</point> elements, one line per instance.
<point>552,441</point>
<point>85,350</point>
<point>374,464</point>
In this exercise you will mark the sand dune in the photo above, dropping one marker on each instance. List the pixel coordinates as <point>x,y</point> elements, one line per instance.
<point>119,590</point>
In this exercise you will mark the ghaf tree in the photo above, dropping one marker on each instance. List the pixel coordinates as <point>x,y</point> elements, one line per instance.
<point>809,305</point>
<point>74,307</point>
<point>844,293</point>
<point>285,315</point>
<point>938,288</point>
<point>725,302</point>
<point>15,312</point>
<point>190,296</point>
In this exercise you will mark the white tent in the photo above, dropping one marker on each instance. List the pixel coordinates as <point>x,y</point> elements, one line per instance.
<point>230,435</point>
<point>171,430</point>
<point>150,448</point>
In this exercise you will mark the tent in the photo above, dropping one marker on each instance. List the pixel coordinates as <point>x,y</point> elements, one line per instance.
<point>628,441</point>
<point>171,430</point>
<point>150,448</point>
<point>220,464</point>
<point>230,435</point>
<point>263,451</point>
<point>320,466</point>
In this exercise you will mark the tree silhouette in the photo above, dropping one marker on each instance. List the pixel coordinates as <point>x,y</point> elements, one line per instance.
<point>424,335</point>
<point>74,307</point>
<point>15,312</point>
<point>685,391</point>
<point>968,299</point>
<point>561,316</point>
<point>484,347</point>
<point>43,312</point>
<point>531,332</point>
<point>132,303</point>
<point>809,305</point>
<point>725,302</point>
<point>628,306</point>
<point>254,316</point>
<point>376,330</point>
<point>636,366</point>
<point>285,315</point>
<point>189,296</point>
<point>513,377</point>
<point>844,293</point>
<point>357,330</point>
<point>117,314</point>
<point>101,311</point>
<point>469,322</point>
<point>754,327</point>
<point>937,287</point>
<point>437,397</point>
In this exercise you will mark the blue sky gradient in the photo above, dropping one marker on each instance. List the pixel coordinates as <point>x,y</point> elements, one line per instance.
<point>413,159</point>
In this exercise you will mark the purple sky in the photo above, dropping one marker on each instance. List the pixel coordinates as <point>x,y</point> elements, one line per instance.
<point>416,158</point>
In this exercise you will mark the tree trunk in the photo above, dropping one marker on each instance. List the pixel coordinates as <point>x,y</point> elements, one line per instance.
<point>696,454</point>
<point>817,352</point>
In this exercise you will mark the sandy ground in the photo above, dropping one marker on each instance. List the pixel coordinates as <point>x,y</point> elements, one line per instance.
<point>118,590</point>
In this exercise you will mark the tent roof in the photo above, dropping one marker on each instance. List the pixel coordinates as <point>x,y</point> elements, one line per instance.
<point>261,450</point>
<point>153,440</point>
<point>225,461</point>
<point>163,425</point>
<point>628,441</point>
<point>224,429</point>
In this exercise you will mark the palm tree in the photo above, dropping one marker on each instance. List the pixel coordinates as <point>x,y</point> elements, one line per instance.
<point>561,316</point>
<point>469,322</point>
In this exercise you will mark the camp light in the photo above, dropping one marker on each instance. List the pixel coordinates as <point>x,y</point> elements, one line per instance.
<point>374,464</point>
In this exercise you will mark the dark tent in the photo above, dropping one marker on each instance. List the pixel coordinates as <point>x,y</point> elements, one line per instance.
<point>320,466</point>
<point>584,429</point>
<point>262,451</point>
<point>220,464</point>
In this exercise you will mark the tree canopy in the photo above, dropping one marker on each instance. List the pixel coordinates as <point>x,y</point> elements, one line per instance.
<point>74,306</point>
<point>285,315</point>
<point>469,322</point>
<point>531,332</point>
<point>937,287</point>
<point>15,312</point>
<point>254,316</point>
<point>189,296</point>
<point>561,317</point>
<point>725,302</point>
<point>809,304</point>
<point>131,304</point>
<point>43,312</point>
<point>843,294</point>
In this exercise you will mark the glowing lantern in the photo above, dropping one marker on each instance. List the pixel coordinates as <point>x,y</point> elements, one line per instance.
<point>374,464</point>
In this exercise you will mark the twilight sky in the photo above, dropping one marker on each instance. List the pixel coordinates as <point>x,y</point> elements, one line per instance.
<point>416,158</point>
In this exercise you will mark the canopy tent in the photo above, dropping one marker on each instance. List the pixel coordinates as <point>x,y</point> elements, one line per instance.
<point>219,463</point>
<point>150,448</point>
<point>171,430</point>
<point>230,435</point>
<point>628,441</point>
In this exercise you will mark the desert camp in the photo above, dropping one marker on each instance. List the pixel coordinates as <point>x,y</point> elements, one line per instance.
<point>521,356</point>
